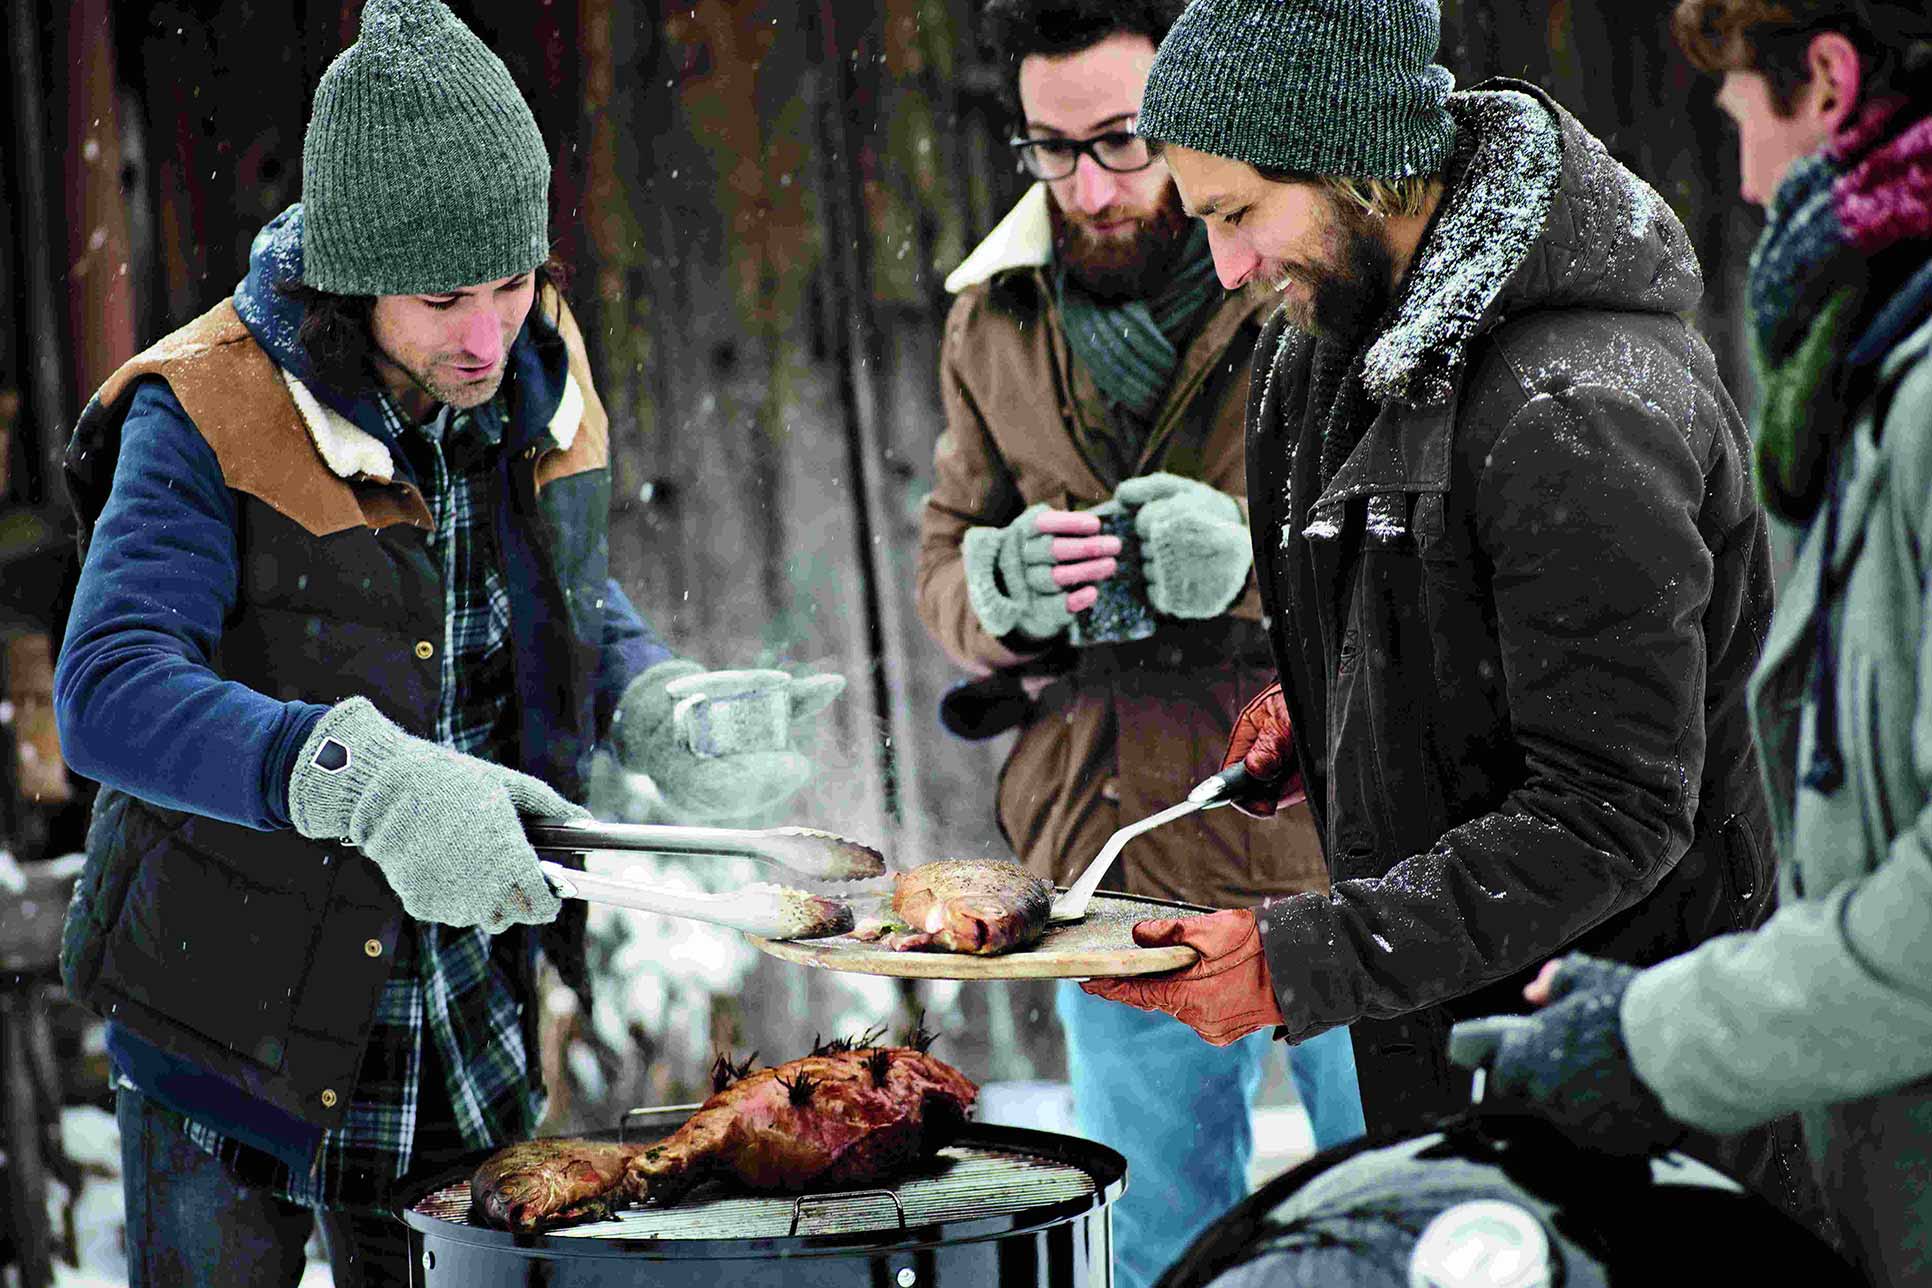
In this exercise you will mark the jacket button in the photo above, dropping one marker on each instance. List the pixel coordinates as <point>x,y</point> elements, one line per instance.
<point>328,1097</point>
<point>425,650</point>
<point>373,947</point>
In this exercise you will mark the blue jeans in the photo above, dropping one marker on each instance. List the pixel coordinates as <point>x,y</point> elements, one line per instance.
<point>1177,1109</point>
<point>189,1221</point>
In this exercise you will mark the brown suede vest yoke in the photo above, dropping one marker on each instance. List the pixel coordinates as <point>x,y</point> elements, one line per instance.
<point>238,399</point>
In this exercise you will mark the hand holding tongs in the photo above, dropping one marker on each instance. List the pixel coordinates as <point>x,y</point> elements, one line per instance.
<point>1231,784</point>
<point>772,911</point>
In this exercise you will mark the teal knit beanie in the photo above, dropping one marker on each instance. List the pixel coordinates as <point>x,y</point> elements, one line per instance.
<point>423,170</point>
<point>1342,88</point>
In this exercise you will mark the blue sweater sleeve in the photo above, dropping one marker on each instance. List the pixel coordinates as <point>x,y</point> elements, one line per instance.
<point>630,648</point>
<point>139,706</point>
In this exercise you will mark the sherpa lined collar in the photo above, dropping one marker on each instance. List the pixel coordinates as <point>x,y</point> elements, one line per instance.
<point>1024,239</point>
<point>346,426</point>
<point>352,452</point>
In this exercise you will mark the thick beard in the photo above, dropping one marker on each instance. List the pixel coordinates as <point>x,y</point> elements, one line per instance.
<point>1350,293</point>
<point>1131,268</point>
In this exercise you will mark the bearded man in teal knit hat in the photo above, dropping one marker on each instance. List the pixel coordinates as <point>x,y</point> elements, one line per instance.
<point>345,621</point>
<point>1506,536</point>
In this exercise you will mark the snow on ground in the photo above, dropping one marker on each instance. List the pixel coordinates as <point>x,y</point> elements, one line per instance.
<point>92,1140</point>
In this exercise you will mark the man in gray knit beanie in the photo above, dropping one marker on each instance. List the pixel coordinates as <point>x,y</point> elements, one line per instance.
<point>345,621</point>
<point>1506,541</point>
<point>422,170</point>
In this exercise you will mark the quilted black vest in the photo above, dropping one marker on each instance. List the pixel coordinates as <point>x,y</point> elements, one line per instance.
<point>259,956</point>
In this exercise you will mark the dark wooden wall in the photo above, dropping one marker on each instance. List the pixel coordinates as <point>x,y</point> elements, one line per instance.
<point>759,200</point>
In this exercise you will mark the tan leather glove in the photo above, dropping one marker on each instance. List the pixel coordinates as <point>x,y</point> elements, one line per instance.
<point>1225,996</point>
<point>1264,745</point>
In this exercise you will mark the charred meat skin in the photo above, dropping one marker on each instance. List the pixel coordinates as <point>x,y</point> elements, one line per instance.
<point>541,1184</point>
<point>826,1121</point>
<point>851,1116</point>
<point>975,906</point>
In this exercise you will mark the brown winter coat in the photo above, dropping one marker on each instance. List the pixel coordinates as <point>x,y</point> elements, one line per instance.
<point>1024,424</point>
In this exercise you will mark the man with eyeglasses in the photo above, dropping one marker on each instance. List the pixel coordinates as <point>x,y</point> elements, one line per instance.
<point>1094,369</point>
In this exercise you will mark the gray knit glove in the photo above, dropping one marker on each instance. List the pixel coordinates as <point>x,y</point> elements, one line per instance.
<point>443,827</point>
<point>713,789</point>
<point>1569,1061</point>
<point>1009,579</point>
<point>1194,544</point>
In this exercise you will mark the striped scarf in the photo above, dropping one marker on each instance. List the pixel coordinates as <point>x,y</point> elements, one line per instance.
<point>1846,231</point>
<point>1821,272</point>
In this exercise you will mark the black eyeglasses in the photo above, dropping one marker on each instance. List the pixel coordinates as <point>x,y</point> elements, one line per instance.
<point>1121,151</point>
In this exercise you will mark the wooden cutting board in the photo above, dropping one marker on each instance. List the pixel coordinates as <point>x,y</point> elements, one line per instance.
<point>1099,945</point>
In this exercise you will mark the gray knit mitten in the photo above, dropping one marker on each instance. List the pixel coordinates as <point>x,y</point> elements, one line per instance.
<point>1569,1061</point>
<point>443,827</point>
<point>1009,579</point>
<point>1194,544</point>
<point>713,789</point>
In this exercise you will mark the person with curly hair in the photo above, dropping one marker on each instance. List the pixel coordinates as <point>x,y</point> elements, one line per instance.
<point>1826,1009</point>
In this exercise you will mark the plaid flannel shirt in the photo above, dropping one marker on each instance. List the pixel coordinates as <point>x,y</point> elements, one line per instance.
<point>448,1005</point>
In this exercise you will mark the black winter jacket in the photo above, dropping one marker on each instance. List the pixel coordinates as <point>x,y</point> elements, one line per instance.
<point>1514,628</point>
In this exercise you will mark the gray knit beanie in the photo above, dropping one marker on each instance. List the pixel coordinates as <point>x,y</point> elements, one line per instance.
<point>423,170</point>
<point>1339,88</point>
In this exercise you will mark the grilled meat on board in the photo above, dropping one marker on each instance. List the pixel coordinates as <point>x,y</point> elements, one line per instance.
<point>977,906</point>
<point>848,1114</point>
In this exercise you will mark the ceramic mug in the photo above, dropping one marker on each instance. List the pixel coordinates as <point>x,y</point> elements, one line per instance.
<point>724,713</point>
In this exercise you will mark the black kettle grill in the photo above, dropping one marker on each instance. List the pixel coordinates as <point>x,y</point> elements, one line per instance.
<point>1500,1200</point>
<point>1001,1206</point>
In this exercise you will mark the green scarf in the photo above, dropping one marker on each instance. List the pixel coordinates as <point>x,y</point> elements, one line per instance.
<point>1132,347</point>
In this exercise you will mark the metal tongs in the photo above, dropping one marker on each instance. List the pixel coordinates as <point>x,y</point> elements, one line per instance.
<point>1223,788</point>
<point>771,911</point>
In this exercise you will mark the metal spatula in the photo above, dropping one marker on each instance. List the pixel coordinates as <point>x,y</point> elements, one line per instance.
<point>1210,793</point>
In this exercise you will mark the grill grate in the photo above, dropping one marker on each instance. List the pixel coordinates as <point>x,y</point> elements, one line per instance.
<point>968,1182</point>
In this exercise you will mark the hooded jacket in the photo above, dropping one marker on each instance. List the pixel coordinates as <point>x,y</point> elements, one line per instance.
<point>1524,609</point>
<point>1125,730</point>
<point>255,550</point>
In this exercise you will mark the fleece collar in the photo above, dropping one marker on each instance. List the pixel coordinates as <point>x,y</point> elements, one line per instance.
<point>1024,239</point>
<point>349,430</point>
<point>351,452</point>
